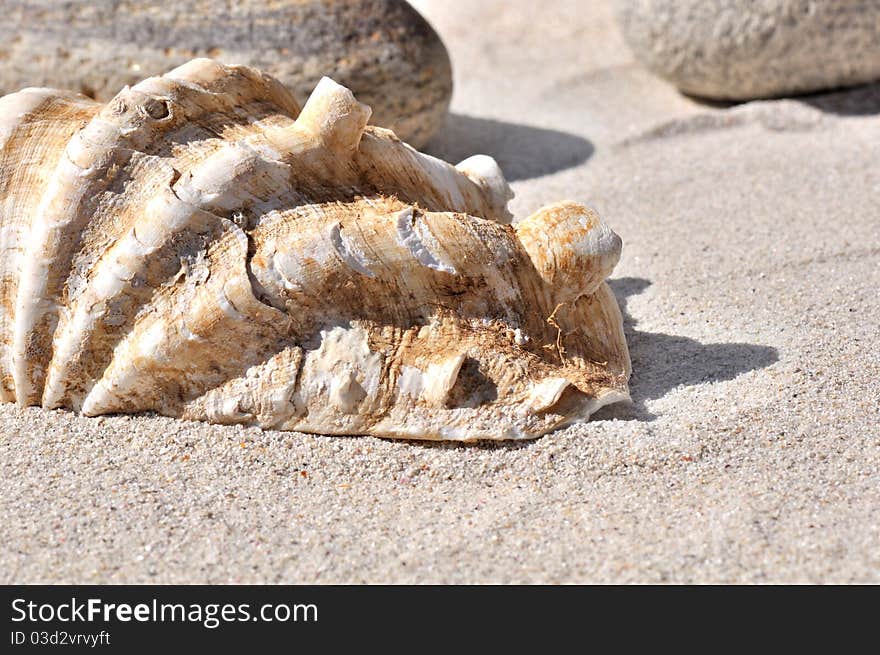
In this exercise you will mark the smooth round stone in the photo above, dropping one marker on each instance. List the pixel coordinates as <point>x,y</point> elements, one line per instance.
<point>745,49</point>
<point>381,49</point>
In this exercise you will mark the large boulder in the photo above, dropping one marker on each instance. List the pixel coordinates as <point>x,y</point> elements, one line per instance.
<point>381,49</point>
<point>745,49</point>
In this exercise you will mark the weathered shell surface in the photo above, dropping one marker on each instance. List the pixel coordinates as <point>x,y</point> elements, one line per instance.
<point>201,248</point>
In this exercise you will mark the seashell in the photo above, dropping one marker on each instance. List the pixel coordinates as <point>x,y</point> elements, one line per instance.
<point>383,50</point>
<point>202,248</point>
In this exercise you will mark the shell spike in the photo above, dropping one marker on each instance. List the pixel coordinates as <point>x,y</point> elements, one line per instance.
<point>547,393</point>
<point>334,116</point>
<point>441,377</point>
<point>485,172</point>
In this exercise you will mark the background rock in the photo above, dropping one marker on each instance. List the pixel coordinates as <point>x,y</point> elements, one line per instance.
<point>382,49</point>
<point>745,49</point>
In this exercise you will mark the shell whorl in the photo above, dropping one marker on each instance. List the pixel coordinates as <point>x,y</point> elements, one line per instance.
<point>202,248</point>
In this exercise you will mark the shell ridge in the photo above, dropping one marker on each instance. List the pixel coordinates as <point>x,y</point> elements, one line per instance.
<point>156,351</point>
<point>29,353</point>
<point>116,148</point>
<point>28,121</point>
<point>55,239</point>
<point>120,271</point>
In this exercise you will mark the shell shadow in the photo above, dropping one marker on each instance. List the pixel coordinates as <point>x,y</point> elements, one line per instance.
<point>663,362</point>
<point>522,151</point>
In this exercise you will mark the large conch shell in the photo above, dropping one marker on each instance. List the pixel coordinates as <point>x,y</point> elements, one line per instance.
<point>201,248</point>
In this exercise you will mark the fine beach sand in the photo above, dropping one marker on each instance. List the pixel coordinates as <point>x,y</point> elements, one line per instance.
<point>749,285</point>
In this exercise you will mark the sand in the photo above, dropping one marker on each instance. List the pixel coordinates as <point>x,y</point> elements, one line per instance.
<point>751,452</point>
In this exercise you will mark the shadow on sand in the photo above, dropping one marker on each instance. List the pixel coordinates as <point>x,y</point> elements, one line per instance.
<point>522,151</point>
<point>662,362</point>
<point>856,101</point>
<point>863,100</point>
